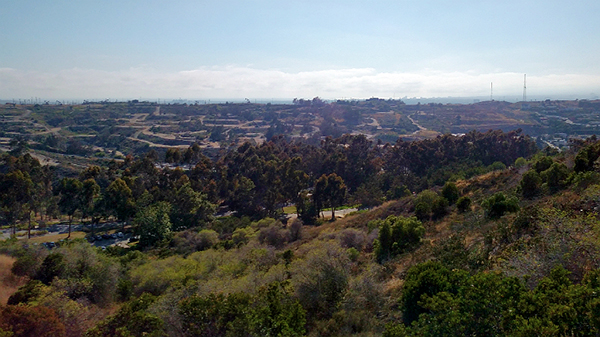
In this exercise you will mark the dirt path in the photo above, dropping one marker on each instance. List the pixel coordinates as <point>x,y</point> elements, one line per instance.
<point>421,128</point>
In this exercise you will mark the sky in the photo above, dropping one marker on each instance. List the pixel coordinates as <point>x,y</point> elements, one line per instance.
<point>151,49</point>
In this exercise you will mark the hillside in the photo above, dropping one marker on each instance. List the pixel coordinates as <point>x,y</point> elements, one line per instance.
<point>93,133</point>
<point>492,237</point>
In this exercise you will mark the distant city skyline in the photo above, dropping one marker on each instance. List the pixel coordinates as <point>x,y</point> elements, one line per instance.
<point>281,50</point>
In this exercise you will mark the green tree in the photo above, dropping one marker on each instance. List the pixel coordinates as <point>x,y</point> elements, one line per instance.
<point>52,266</point>
<point>190,208</point>
<point>450,192</point>
<point>530,184</point>
<point>15,191</point>
<point>118,197</point>
<point>331,190</point>
<point>70,197</point>
<point>90,204</point>
<point>555,176</point>
<point>153,224</point>
<point>427,279</point>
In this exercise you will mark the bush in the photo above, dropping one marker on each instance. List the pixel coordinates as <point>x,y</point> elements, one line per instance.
<point>321,279</point>
<point>520,162</point>
<point>241,236</point>
<point>271,312</point>
<point>450,192</point>
<point>397,235</point>
<point>53,266</point>
<point>542,164</point>
<point>190,241</point>
<point>353,254</point>
<point>497,166</point>
<point>530,184</point>
<point>352,238</point>
<point>30,291</point>
<point>583,180</point>
<point>24,320</point>
<point>463,204</point>
<point>296,230</point>
<point>132,319</point>
<point>207,239</point>
<point>274,235</point>
<point>555,176</point>
<point>439,208</point>
<point>497,205</point>
<point>429,278</point>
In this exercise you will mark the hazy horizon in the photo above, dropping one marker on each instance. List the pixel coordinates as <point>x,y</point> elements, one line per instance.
<point>330,49</point>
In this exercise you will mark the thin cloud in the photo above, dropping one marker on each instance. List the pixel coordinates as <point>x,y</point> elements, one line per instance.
<point>239,82</point>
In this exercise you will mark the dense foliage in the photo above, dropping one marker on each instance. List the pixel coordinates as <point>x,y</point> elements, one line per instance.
<point>508,251</point>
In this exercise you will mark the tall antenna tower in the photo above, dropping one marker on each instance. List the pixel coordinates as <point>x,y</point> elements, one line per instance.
<point>491,91</point>
<point>524,87</point>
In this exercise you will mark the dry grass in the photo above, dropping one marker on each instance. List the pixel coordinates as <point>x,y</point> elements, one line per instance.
<point>9,283</point>
<point>56,237</point>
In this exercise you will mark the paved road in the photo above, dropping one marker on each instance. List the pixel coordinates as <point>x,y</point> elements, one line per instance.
<point>338,213</point>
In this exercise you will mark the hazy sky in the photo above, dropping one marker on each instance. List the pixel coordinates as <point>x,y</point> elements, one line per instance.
<point>284,49</point>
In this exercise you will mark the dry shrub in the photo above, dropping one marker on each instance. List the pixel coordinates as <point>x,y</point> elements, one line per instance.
<point>9,283</point>
<point>274,236</point>
<point>296,229</point>
<point>352,238</point>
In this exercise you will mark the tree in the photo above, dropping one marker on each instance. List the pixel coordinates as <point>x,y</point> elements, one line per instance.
<point>427,278</point>
<point>555,176</point>
<point>153,224</point>
<point>190,208</point>
<point>70,193</point>
<point>15,191</point>
<point>19,146</point>
<point>90,191</point>
<point>52,266</point>
<point>119,197</point>
<point>330,189</point>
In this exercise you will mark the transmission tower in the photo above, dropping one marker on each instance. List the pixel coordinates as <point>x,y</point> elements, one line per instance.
<point>524,87</point>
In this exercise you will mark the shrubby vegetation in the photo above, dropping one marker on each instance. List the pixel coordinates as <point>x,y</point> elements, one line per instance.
<point>477,249</point>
